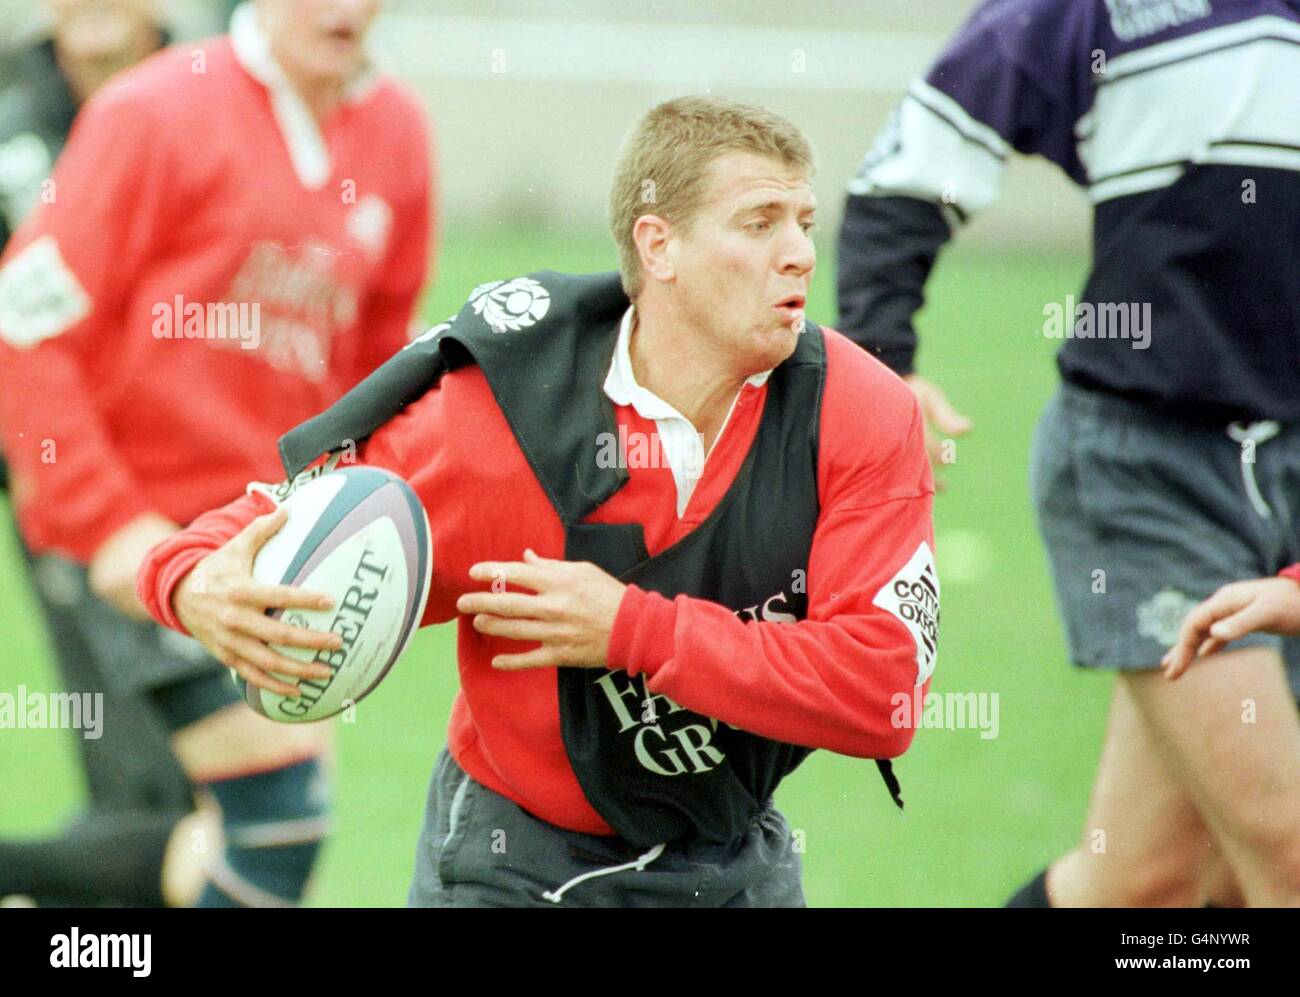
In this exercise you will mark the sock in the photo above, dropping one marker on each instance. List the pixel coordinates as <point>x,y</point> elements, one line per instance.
<point>103,859</point>
<point>273,823</point>
<point>1032,894</point>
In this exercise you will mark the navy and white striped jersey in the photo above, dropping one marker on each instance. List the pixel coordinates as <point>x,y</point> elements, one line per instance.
<point>1181,120</point>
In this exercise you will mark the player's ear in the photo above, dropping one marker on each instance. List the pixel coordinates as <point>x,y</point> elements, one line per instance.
<point>652,235</point>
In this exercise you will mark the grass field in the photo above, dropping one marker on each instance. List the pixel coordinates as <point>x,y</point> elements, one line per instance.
<point>982,814</point>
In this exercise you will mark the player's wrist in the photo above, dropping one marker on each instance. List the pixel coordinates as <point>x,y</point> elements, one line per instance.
<point>641,640</point>
<point>159,590</point>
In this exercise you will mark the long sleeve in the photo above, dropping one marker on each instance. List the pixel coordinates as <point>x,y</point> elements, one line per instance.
<point>1013,77</point>
<point>62,294</point>
<point>832,680</point>
<point>887,248</point>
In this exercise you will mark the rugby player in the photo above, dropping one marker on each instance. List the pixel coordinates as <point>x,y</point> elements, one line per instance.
<point>1181,121</point>
<point>239,233</point>
<point>644,651</point>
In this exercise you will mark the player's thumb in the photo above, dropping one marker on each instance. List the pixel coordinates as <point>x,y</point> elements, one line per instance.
<point>260,530</point>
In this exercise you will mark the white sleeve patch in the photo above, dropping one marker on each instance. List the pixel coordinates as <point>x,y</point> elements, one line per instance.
<point>912,596</point>
<point>39,296</point>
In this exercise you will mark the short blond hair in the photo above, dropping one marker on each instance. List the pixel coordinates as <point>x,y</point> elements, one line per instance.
<point>664,168</point>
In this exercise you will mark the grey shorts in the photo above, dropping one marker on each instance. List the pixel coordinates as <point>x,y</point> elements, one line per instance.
<point>478,849</point>
<point>1144,515</point>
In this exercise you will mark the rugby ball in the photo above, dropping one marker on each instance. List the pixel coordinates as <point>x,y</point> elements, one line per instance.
<point>360,535</point>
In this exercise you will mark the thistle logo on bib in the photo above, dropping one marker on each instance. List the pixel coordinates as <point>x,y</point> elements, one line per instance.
<point>912,596</point>
<point>511,305</point>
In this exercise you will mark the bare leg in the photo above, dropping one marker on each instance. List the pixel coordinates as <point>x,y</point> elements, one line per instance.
<point>1144,843</point>
<point>1230,731</point>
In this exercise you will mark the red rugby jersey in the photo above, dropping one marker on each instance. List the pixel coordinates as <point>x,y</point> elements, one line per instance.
<point>176,211</point>
<point>831,681</point>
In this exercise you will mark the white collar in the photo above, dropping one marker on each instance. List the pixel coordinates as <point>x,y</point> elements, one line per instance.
<point>298,125</point>
<point>621,386</point>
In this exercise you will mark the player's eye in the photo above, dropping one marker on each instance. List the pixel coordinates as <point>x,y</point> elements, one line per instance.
<point>758,225</point>
<point>807,227</point>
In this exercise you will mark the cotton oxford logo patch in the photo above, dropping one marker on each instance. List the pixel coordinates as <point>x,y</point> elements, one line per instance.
<point>511,305</point>
<point>39,296</point>
<point>912,596</point>
<point>1160,616</point>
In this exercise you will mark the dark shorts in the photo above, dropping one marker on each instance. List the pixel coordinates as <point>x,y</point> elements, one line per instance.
<point>478,849</point>
<point>132,656</point>
<point>130,766</point>
<point>1144,516</point>
<point>153,680</point>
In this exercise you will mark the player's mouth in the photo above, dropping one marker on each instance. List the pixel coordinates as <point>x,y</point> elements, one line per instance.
<point>791,307</point>
<point>343,35</point>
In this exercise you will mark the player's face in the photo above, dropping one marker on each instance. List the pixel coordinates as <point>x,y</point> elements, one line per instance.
<point>100,29</point>
<point>319,39</point>
<point>744,264</point>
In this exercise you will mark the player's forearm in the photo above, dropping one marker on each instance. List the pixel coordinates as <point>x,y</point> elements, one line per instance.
<point>832,685</point>
<point>887,248</point>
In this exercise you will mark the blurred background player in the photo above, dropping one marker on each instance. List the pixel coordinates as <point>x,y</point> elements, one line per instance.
<point>239,233</point>
<point>1182,121</point>
<point>137,793</point>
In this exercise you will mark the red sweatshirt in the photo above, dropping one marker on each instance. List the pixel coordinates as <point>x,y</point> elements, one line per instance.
<point>831,681</point>
<point>187,293</point>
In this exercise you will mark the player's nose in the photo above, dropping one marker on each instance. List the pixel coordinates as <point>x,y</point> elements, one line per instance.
<point>798,254</point>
